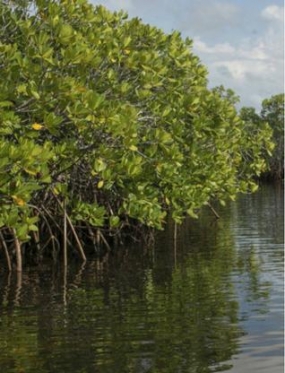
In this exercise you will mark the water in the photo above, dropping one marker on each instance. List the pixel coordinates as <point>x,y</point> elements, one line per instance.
<point>211,302</point>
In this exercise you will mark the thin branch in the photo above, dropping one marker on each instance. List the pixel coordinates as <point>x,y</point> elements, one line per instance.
<point>48,227</point>
<point>72,228</point>
<point>3,242</point>
<point>64,236</point>
<point>214,211</point>
<point>18,251</point>
<point>104,240</point>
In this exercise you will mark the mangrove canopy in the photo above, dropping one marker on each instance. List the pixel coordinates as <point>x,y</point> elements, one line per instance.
<point>107,123</point>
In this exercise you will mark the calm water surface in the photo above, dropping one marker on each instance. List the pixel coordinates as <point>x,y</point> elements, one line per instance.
<point>212,301</point>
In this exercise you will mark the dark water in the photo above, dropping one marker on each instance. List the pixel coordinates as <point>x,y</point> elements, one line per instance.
<point>211,302</point>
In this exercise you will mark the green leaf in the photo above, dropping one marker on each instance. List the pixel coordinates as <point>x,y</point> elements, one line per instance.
<point>192,214</point>
<point>114,221</point>
<point>6,104</point>
<point>99,165</point>
<point>254,187</point>
<point>35,94</point>
<point>33,228</point>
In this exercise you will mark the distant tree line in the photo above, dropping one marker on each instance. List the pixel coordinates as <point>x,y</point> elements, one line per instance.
<point>272,112</point>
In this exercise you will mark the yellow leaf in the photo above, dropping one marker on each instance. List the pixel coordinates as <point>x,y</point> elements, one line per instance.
<point>158,167</point>
<point>55,190</point>
<point>100,184</point>
<point>18,201</point>
<point>37,126</point>
<point>81,89</point>
<point>133,148</point>
<point>127,51</point>
<point>30,172</point>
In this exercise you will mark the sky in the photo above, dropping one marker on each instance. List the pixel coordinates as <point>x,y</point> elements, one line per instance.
<point>241,42</point>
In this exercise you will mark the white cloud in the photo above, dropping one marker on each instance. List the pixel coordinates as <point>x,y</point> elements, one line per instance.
<point>221,48</point>
<point>240,70</point>
<point>238,60</point>
<point>273,12</point>
<point>252,67</point>
<point>257,52</point>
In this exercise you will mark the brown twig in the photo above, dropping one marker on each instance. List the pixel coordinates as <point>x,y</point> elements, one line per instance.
<point>214,211</point>
<point>3,242</point>
<point>64,235</point>
<point>18,251</point>
<point>80,248</point>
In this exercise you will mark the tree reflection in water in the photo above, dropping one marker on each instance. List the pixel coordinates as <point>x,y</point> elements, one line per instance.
<point>164,309</point>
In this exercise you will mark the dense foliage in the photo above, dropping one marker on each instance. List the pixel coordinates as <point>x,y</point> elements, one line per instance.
<point>272,112</point>
<point>106,121</point>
